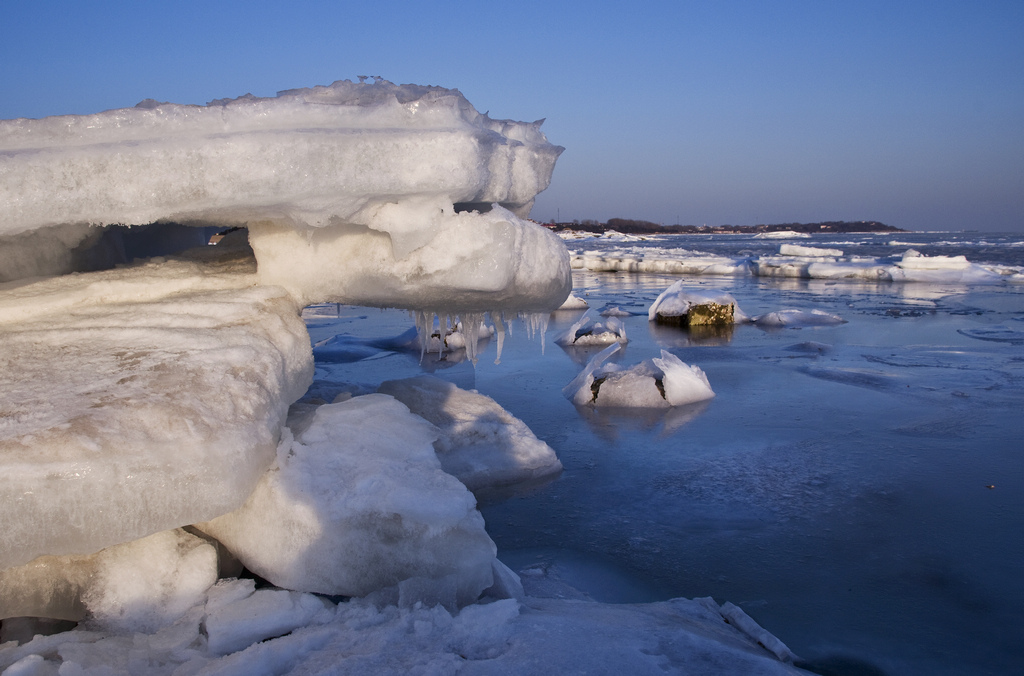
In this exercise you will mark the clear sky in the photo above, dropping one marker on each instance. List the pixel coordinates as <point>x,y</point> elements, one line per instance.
<point>909,113</point>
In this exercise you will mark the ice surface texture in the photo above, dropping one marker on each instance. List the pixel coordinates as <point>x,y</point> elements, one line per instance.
<point>358,501</point>
<point>139,586</point>
<point>349,192</point>
<point>138,400</point>
<point>306,156</point>
<point>480,443</point>
<point>242,631</point>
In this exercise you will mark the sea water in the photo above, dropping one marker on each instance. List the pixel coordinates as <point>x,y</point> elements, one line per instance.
<point>858,489</point>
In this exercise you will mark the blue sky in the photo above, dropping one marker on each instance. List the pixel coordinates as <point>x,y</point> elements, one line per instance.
<point>910,113</point>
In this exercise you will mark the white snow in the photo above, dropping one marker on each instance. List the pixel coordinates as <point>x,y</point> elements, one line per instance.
<point>653,383</point>
<point>480,443</point>
<point>358,501</point>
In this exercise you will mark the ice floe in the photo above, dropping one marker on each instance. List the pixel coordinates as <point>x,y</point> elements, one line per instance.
<point>584,334</point>
<point>479,442</point>
<point>795,317</point>
<point>800,262</point>
<point>654,383</point>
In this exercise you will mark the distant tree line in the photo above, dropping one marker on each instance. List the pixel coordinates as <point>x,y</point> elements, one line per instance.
<point>635,227</point>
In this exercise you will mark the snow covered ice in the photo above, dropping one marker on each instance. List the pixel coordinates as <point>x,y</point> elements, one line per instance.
<point>654,383</point>
<point>146,445</point>
<point>358,502</point>
<point>138,400</point>
<point>480,443</point>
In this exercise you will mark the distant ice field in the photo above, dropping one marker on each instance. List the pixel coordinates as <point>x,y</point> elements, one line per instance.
<point>858,488</point>
<point>993,248</point>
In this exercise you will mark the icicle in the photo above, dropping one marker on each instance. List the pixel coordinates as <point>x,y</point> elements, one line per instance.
<point>471,325</point>
<point>424,327</point>
<point>442,333</point>
<point>536,322</point>
<point>499,326</point>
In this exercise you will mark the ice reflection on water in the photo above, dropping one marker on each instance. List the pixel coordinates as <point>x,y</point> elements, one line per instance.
<point>838,488</point>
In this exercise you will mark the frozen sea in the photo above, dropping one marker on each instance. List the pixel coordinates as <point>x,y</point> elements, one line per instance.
<point>858,489</point>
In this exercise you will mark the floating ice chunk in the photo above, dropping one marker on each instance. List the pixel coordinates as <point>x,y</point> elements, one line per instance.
<point>574,303</point>
<point>782,234</point>
<point>683,384</point>
<point>915,260</point>
<point>654,383</point>
<point>794,317</point>
<point>616,311</point>
<point>481,443</point>
<point>600,333</point>
<point>799,250</point>
<point>358,502</point>
<point>676,301</point>
<point>173,380</point>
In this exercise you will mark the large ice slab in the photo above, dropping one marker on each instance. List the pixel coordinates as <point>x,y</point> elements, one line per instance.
<point>363,193</point>
<point>307,156</point>
<point>452,262</point>
<point>138,400</point>
<point>357,502</point>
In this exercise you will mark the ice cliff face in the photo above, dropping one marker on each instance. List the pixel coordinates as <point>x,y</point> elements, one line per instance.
<point>327,178</point>
<point>140,397</point>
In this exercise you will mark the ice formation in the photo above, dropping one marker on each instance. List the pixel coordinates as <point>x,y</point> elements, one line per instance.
<point>677,299</point>
<point>358,501</point>
<point>799,262</point>
<point>138,400</point>
<point>139,586</point>
<point>653,383</point>
<point>239,630</point>
<point>142,397</point>
<point>814,251</point>
<point>574,302</point>
<point>584,334</point>
<point>796,317</point>
<point>480,443</point>
<point>366,193</point>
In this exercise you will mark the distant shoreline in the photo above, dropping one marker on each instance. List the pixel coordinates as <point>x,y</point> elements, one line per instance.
<point>631,227</point>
